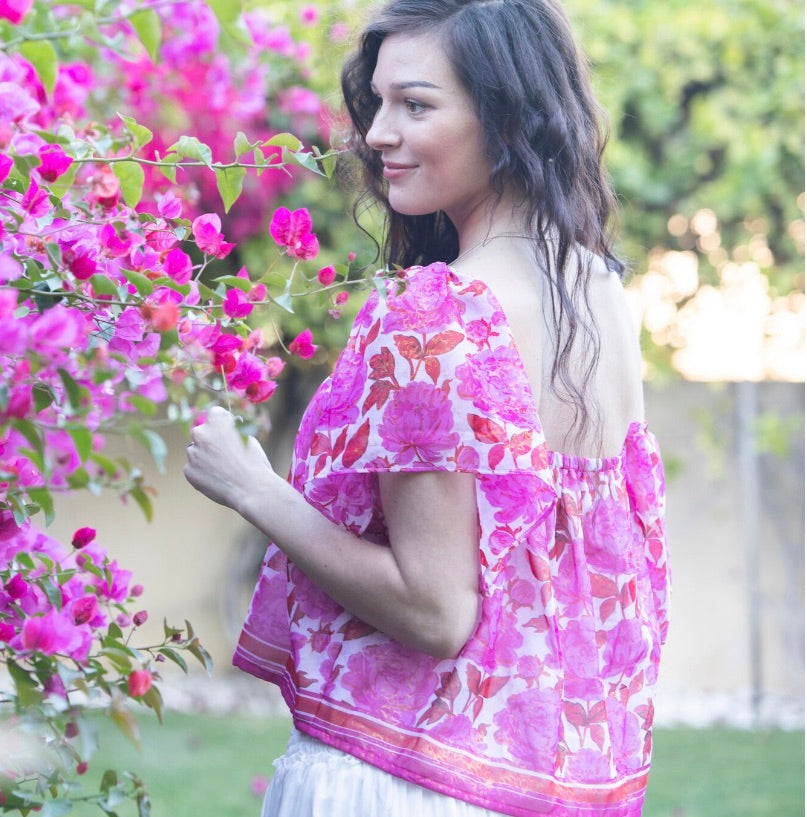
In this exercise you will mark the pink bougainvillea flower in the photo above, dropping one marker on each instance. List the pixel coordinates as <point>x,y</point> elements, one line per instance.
<point>60,327</point>
<point>16,586</point>
<point>104,187</point>
<point>207,232</point>
<point>15,10</point>
<point>260,391</point>
<point>82,537</point>
<point>85,609</point>
<point>303,345</point>
<point>80,258</point>
<point>140,618</point>
<point>257,293</point>
<point>139,682</point>
<point>169,206</point>
<point>258,785</point>
<point>341,298</point>
<point>326,276</point>
<point>165,316</point>
<point>178,266</point>
<point>236,304</point>
<point>16,103</point>
<point>35,201</point>
<point>54,162</point>
<point>293,231</point>
<point>309,14</point>
<point>6,163</point>
<point>6,631</point>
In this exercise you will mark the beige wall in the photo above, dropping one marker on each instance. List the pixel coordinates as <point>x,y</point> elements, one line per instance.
<point>185,557</point>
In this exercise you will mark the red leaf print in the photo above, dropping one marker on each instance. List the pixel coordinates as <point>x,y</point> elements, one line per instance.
<point>575,714</point>
<point>444,342</point>
<point>408,346</point>
<point>357,445</point>
<point>439,709</point>
<point>432,368</point>
<point>356,628</point>
<point>478,703</point>
<point>538,566</point>
<point>495,456</point>
<point>540,457</point>
<point>372,334</point>
<point>320,444</point>
<point>474,679</point>
<point>490,686</point>
<point>485,430</point>
<point>379,392</point>
<point>637,683</point>
<point>449,685</point>
<point>520,443</point>
<point>320,464</point>
<point>540,624</point>
<point>628,594</point>
<point>607,608</point>
<point>340,443</point>
<point>602,587</point>
<point>598,713</point>
<point>598,735</point>
<point>382,365</point>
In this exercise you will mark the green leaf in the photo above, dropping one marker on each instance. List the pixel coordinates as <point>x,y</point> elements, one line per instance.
<point>189,147</point>
<point>230,181</point>
<point>145,406</point>
<point>153,442</point>
<point>284,140</point>
<point>42,55</point>
<point>201,655</point>
<point>31,433</point>
<point>284,302</point>
<point>154,700</point>
<point>72,389</point>
<point>27,687</point>
<point>56,808</point>
<point>142,284</point>
<point>43,498</point>
<point>144,501</point>
<point>102,285</point>
<point>140,134</point>
<point>241,144</point>
<point>148,27</point>
<point>126,722</point>
<point>64,182</point>
<point>82,439</point>
<point>109,466</point>
<point>244,284</point>
<point>167,166</point>
<point>308,161</point>
<point>174,656</point>
<point>131,178</point>
<point>43,396</point>
<point>80,478</point>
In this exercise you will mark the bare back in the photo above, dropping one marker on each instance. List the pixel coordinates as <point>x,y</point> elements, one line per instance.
<point>614,393</point>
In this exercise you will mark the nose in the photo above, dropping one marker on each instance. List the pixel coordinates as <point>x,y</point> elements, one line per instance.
<point>382,132</point>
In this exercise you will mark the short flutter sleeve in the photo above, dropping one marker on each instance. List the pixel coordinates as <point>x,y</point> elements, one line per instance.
<point>427,382</point>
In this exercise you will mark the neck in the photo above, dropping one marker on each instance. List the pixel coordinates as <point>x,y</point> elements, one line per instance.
<point>485,223</point>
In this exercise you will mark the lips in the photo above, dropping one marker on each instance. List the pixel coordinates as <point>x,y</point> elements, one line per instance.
<point>396,170</point>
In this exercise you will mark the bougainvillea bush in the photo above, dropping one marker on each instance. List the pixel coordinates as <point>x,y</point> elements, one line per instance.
<point>128,133</point>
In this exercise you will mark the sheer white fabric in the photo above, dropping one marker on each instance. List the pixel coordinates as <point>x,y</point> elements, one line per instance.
<point>315,780</point>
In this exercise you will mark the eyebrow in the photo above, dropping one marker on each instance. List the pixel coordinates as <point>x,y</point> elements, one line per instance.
<point>403,86</point>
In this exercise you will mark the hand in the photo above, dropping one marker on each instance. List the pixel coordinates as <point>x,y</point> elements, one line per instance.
<point>222,464</point>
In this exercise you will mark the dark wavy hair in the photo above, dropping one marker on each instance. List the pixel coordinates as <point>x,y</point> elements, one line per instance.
<point>544,136</point>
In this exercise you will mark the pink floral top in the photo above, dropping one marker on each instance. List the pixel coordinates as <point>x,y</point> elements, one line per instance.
<point>548,708</point>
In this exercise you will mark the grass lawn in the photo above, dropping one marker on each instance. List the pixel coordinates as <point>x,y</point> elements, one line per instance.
<point>204,766</point>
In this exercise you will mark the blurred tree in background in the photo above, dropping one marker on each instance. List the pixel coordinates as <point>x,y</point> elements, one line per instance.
<point>705,102</point>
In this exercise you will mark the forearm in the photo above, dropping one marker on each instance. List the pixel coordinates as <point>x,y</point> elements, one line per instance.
<point>364,578</point>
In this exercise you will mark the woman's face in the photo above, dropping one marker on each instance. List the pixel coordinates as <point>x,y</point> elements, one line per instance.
<point>427,132</point>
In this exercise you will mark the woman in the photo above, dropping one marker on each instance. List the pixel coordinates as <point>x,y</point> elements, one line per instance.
<point>464,604</point>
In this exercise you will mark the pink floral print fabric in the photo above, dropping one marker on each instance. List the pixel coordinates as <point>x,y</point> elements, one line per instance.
<point>548,708</point>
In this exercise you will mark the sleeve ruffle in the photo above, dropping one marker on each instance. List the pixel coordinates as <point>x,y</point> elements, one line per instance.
<point>426,383</point>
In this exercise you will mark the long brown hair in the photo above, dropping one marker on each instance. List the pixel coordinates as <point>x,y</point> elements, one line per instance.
<point>544,136</point>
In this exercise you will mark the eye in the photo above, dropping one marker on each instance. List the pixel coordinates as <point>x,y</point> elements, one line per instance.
<point>413,106</point>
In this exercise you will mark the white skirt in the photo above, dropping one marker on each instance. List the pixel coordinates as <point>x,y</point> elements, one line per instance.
<point>315,780</point>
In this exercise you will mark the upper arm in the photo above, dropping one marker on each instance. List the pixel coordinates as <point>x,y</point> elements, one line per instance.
<point>431,519</point>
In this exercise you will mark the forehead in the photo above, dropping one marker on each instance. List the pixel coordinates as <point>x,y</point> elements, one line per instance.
<point>414,58</point>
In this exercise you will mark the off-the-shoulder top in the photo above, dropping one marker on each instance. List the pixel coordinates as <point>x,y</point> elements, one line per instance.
<point>548,708</point>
